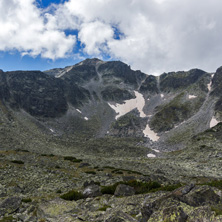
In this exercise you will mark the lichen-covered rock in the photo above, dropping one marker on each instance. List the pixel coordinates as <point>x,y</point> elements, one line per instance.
<point>55,208</point>
<point>92,191</point>
<point>200,196</point>
<point>119,216</point>
<point>10,205</point>
<point>124,190</point>
<point>174,214</point>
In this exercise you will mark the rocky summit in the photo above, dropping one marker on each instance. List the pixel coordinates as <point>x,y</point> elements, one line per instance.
<point>98,141</point>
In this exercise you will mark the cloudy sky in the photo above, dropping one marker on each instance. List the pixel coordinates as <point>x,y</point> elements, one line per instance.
<point>150,35</point>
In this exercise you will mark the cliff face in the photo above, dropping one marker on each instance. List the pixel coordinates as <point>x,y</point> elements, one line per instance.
<point>98,98</point>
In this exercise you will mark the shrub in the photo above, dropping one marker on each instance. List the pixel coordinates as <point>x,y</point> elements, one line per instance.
<point>109,189</point>
<point>217,209</point>
<point>26,200</point>
<point>72,159</point>
<point>90,172</point>
<point>215,183</point>
<point>72,195</point>
<point>104,208</point>
<point>170,187</point>
<point>140,187</point>
<point>17,161</point>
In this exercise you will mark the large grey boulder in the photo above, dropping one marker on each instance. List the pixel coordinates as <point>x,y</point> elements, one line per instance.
<point>119,216</point>
<point>124,190</point>
<point>92,191</point>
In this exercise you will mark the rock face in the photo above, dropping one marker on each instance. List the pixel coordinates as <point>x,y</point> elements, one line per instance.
<point>97,98</point>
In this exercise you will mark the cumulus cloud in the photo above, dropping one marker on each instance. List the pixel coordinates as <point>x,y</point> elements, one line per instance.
<point>151,35</point>
<point>24,28</point>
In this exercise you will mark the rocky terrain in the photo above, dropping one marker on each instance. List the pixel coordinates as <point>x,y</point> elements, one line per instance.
<point>98,141</point>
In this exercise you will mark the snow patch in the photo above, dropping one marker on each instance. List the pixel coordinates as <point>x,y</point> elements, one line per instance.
<point>209,86</point>
<point>52,130</point>
<point>161,95</point>
<point>157,151</point>
<point>129,105</point>
<point>192,97</point>
<point>78,110</point>
<point>213,122</point>
<point>86,118</point>
<point>151,155</point>
<point>150,134</point>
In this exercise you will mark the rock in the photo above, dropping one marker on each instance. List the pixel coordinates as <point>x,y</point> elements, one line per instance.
<point>128,178</point>
<point>92,191</point>
<point>55,208</point>
<point>120,216</point>
<point>81,165</point>
<point>149,206</point>
<point>202,214</point>
<point>174,214</point>
<point>10,205</point>
<point>187,189</point>
<point>200,196</point>
<point>124,190</point>
<point>88,183</point>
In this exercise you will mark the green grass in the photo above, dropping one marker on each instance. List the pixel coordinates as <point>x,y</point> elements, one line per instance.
<point>72,195</point>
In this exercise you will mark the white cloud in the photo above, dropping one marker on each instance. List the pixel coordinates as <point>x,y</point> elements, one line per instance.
<point>95,35</point>
<point>157,35</point>
<point>23,27</point>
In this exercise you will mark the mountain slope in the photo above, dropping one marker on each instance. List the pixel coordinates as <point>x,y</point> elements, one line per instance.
<point>97,99</point>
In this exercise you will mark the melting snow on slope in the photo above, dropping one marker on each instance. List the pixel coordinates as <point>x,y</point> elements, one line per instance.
<point>129,105</point>
<point>209,86</point>
<point>78,110</point>
<point>151,155</point>
<point>213,122</point>
<point>192,97</point>
<point>86,118</point>
<point>52,130</point>
<point>150,134</point>
<point>157,151</point>
<point>161,95</point>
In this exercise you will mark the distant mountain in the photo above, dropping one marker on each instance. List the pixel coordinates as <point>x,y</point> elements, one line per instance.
<point>98,99</point>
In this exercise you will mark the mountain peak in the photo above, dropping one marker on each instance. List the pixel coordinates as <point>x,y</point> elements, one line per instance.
<point>92,61</point>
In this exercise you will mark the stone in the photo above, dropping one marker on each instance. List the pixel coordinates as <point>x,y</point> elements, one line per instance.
<point>124,190</point>
<point>92,191</point>
<point>119,216</point>
<point>10,205</point>
<point>200,196</point>
<point>174,214</point>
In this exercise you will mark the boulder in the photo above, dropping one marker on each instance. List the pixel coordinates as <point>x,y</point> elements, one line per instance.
<point>124,190</point>
<point>200,196</point>
<point>174,214</point>
<point>92,191</point>
<point>10,205</point>
<point>119,216</point>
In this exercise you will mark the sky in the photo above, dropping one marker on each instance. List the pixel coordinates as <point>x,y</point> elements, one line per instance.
<point>153,36</point>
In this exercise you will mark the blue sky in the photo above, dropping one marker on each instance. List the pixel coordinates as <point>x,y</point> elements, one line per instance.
<point>153,36</point>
